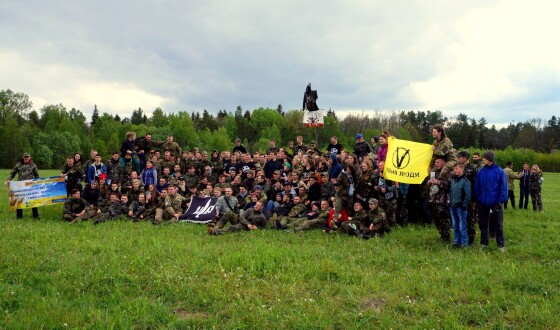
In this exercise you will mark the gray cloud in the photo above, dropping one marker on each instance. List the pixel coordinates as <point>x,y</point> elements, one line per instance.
<point>190,55</point>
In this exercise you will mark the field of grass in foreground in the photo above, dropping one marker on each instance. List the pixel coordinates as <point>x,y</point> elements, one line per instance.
<point>125,275</point>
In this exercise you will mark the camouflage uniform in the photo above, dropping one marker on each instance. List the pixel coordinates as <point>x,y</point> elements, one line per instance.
<point>188,162</point>
<point>73,206</point>
<point>380,224</point>
<point>238,223</point>
<point>114,172</point>
<point>444,148</point>
<point>364,186</point>
<point>360,222</point>
<point>321,221</point>
<point>167,163</point>
<point>134,193</point>
<point>25,172</point>
<point>298,211</point>
<point>535,190</point>
<point>388,200</point>
<point>164,210</point>
<point>440,207</point>
<point>190,180</point>
<point>342,198</point>
<point>138,208</point>
<point>110,211</point>
<point>172,147</point>
<point>74,175</point>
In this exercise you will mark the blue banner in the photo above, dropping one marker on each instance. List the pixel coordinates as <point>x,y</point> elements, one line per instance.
<point>37,192</point>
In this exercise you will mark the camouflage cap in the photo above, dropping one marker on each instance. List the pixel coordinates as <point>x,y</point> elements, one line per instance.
<point>26,154</point>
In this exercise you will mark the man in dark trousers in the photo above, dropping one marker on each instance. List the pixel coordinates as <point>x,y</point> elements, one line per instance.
<point>525,173</point>
<point>491,191</point>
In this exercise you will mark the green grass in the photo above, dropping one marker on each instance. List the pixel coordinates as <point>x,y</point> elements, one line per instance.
<point>125,275</point>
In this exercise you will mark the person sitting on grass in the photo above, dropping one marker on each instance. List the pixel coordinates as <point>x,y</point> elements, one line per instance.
<point>76,208</point>
<point>137,208</point>
<point>297,211</point>
<point>252,219</point>
<point>110,211</point>
<point>357,223</point>
<point>321,221</point>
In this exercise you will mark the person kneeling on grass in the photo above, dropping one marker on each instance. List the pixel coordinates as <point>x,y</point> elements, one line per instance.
<point>379,224</point>
<point>252,219</point>
<point>76,208</point>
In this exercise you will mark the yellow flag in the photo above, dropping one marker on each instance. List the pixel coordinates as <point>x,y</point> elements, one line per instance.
<point>407,161</point>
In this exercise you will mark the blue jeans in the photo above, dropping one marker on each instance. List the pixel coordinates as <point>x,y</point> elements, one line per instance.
<point>459,219</point>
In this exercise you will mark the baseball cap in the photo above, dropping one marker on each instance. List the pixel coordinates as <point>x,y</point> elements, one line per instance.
<point>359,136</point>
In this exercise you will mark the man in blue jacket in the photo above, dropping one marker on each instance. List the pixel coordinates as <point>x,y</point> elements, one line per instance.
<point>491,191</point>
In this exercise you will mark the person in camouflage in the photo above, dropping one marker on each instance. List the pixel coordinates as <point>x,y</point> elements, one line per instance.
<point>298,211</point>
<point>378,221</point>
<point>388,195</point>
<point>172,147</point>
<point>470,173</point>
<point>176,205</point>
<point>76,208</point>
<point>439,189</point>
<point>114,169</point>
<point>25,169</point>
<point>110,211</point>
<point>164,208</point>
<point>252,219</point>
<point>443,147</point>
<point>137,208</point>
<point>357,223</point>
<point>364,186</point>
<point>322,221</point>
<point>535,182</point>
<point>343,200</point>
<point>73,174</point>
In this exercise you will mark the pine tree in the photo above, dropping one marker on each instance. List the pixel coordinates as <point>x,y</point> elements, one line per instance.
<point>95,115</point>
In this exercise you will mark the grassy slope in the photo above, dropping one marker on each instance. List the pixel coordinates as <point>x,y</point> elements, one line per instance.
<point>126,275</point>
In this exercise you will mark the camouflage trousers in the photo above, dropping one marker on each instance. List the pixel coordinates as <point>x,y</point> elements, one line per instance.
<point>390,208</point>
<point>536,200</point>
<point>402,210</point>
<point>90,213</point>
<point>442,220</point>
<point>342,203</point>
<point>309,224</point>
<point>218,227</point>
<point>471,223</point>
<point>163,214</point>
<point>354,228</point>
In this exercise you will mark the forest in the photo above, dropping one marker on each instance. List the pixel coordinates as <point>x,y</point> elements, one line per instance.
<point>53,132</point>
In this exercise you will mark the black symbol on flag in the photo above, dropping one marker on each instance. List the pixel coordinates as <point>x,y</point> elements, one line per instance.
<point>401,158</point>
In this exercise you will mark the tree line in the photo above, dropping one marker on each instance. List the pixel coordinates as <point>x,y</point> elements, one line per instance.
<point>53,132</point>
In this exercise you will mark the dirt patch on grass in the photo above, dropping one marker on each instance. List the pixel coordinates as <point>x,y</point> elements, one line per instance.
<point>188,315</point>
<point>375,304</point>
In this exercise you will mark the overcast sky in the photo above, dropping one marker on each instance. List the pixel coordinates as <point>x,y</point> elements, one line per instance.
<point>494,59</point>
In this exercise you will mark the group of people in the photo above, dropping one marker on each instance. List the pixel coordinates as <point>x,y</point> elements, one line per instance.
<point>292,189</point>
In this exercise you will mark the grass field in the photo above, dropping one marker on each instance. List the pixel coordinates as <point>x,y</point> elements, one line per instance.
<point>125,275</point>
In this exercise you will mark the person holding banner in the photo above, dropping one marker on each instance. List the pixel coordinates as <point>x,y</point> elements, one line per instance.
<point>25,169</point>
